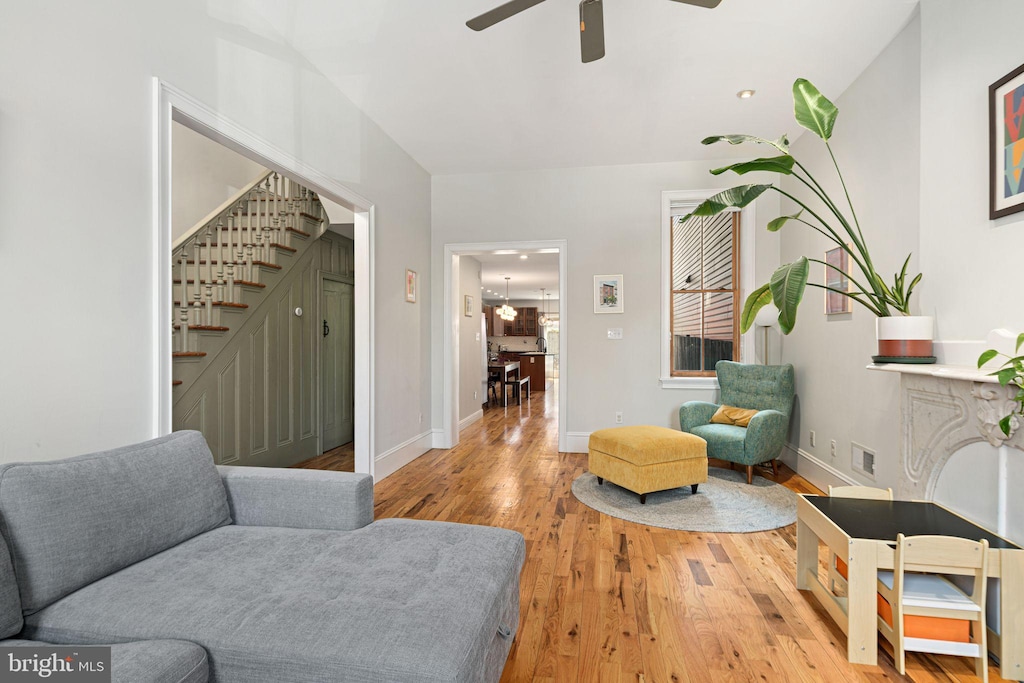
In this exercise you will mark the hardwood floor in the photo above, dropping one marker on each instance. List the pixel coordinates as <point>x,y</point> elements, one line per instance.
<point>609,600</point>
<point>340,459</point>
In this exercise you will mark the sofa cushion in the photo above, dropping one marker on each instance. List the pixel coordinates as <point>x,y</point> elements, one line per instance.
<point>398,600</point>
<point>71,522</point>
<point>148,661</point>
<point>10,602</point>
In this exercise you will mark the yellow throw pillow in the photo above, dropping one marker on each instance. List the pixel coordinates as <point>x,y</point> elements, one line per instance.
<point>727,415</point>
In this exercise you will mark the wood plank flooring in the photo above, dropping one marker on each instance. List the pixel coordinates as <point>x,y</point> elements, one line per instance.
<point>608,600</point>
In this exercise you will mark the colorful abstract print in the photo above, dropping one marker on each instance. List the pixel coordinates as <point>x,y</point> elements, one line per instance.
<point>1013,149</point>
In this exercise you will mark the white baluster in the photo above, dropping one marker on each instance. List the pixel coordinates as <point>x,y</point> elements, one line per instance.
<point>209,304</point>
<point>230,283</point>
<point>250,272</point>
<point>183,326</point>
<point>209,256</point>
<point>183,260</point>
<point>197,306</point>
<point>220,240</point>
<point>195,272</point>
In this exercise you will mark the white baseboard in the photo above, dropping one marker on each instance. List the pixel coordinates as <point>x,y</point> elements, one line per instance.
<point>390,461</point>
<point>474,417</point>
<point>819,473</point>
<point>437,439</point>
<point>577,442</point>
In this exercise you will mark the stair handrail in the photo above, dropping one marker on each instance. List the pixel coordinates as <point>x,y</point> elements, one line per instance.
<point>220,212</point>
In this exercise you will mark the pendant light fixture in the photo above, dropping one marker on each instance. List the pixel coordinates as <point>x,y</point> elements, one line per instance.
<point>506,312</point>
<point>543,319</point>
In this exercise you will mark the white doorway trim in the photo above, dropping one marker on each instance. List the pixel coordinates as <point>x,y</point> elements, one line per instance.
<point>450,380</point>
<point>172,104</point>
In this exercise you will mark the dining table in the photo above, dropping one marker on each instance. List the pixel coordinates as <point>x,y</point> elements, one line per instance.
<point>506,371</point>
<point>863,533</point>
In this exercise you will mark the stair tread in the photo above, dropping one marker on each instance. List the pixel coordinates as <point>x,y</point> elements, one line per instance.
<point>243,283</point>
<point>283,247</point>
<point>205,328</point>
<point>188,354</point>
<point>204,262</point>
<point>226,304</point>
<point>266,265</point>
<point>300,233</point>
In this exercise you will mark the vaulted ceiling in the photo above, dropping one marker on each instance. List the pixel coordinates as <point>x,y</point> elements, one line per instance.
<point>516,95</point>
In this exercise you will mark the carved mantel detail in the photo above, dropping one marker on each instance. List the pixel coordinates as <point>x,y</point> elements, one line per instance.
<point>994,403</point>
<point>940,415</point>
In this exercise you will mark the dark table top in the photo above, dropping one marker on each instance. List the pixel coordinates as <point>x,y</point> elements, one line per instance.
<point>882,520</point>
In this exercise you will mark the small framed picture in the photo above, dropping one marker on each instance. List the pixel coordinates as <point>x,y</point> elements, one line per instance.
<point>836,278</point>
<point>608,294</point>
<point>469,306</point>
<point>410,286</point>
<point>1006,144</point>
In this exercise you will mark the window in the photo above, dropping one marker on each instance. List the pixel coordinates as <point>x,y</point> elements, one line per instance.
<point>700,318</point>
<point>705,292</point>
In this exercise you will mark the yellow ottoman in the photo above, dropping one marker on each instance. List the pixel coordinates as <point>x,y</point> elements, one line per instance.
<point>644,458</point>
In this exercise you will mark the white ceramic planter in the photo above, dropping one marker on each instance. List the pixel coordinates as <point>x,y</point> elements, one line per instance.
<point>905,336</point>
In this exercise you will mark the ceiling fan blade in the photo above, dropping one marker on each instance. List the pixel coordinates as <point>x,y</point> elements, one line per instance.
<point>500,13</point>
<point>710,4</point>
<point>591,30</point>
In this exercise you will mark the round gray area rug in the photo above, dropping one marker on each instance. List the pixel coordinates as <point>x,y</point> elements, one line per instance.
<point>725,503</point>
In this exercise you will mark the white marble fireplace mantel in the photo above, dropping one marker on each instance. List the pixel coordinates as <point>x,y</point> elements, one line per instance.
<point>945,408</point>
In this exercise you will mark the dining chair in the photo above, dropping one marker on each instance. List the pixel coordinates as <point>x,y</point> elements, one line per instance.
<point>920,611</point>
<point>837,569</point>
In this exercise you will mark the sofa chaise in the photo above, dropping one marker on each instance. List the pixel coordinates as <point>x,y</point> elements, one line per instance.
<point>247,575</point>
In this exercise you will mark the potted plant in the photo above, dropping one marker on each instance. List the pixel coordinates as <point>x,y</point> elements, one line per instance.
<point>1011,372</point>
<point>901,337</point>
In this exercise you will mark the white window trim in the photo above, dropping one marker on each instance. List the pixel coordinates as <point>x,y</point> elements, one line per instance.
<point>747,223</point>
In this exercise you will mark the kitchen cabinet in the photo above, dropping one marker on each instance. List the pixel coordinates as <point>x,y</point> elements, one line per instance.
<point>525,324</point>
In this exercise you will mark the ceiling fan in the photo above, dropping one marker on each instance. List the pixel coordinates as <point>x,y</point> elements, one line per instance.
<point>591,21</point>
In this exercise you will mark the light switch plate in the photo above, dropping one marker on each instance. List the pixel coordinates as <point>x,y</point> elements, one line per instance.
<point>615,333</point>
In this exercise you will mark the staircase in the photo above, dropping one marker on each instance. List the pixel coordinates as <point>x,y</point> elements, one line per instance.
<point>228,263</point>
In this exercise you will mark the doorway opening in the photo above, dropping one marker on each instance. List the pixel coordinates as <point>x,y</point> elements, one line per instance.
<point>474,287</point>
<point>176,107</point>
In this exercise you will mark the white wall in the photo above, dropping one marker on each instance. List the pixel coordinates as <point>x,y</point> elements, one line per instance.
<point>611,218</point>
<point>877,146</point>
<point>471,339</point>
<point>76,130</point>
<point>971,264</point>
<point>204,175</point>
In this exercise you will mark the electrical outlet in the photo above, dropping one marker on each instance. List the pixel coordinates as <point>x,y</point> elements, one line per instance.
<point>618,418</point>
<point>615,333</point>
<point>833,448</point>
<point>814,439</point>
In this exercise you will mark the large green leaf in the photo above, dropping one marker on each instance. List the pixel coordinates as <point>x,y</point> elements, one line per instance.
<point>788,284</point>
<point>1020,340</point>
<point>776,224</point>
<point>782,144</point>
<point>758,299</point>
<point>1004,424</point>
<point>780,164</point>
<point>733,198</point>
<point>813,110</point>
<point>987,356</point>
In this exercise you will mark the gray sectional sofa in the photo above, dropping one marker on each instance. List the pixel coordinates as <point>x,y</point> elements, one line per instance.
<point>197,572</point>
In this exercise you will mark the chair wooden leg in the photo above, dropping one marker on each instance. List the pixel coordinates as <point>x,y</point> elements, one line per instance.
<point>643,499</point>
<point>600,481</point>
<point>775,466</point>
<point>750,474</point>
<point>693,488</point>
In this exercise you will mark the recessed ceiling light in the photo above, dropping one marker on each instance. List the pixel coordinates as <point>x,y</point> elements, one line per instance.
<point>745,94</point>
<point>523,257</point>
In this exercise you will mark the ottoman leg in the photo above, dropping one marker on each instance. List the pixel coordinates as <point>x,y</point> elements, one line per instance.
<point>750,474</point>
<point>643,498</point>
<point>693,488</point>
<point>600,481</point>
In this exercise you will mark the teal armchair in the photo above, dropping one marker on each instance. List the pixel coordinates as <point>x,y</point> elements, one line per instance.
<point>769,389</point>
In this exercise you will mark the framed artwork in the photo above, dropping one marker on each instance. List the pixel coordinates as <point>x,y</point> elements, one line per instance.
<point>469,306</point>
<point>410,286</point>
<point>608,294</point>
<point>837,279</point>
<point>1006,144</point>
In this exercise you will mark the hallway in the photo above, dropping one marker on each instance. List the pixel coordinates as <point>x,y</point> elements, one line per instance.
<point>604,599</point>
